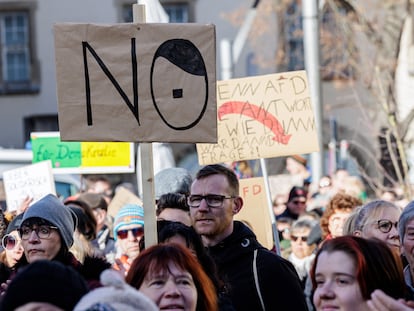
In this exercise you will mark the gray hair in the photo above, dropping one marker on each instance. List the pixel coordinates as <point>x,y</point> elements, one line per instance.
<point>303,223</point>
<point>349,225</point>
<point>366,211</point>
<point>406,216</point>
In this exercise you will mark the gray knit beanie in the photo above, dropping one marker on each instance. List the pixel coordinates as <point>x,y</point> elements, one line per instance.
<point>50,208</point>
<point>172,179</point>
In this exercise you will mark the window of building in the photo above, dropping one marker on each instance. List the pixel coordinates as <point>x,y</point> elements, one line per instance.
<point>177,12</point>
<point>127,16</point>
<point>15,39</point>
<point>40,123</point>
<point>18,73</point>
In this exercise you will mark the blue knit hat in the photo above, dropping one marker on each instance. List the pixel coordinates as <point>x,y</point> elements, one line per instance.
<point>130,214</point>
<point>50,208</point>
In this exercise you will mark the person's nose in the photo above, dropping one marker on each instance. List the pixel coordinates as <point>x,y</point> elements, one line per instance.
<point>394,232</point>
<point>326,290</point>
<point>33,237</point>
<point>171,289</point>
<point>203,206</point>
<point>131,236</point>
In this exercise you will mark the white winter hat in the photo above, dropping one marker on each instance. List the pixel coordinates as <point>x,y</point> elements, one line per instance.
<point>115,295</point>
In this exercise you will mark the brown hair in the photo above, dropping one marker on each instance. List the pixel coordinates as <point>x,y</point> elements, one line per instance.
<point>172,200</point>
<point>339,202</point>
<point>158,257</point>
<point>377,267</point>
<point>217,169</point>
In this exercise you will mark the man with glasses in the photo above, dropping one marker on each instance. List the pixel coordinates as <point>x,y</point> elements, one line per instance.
<point>128,232</point>
<point>296,204</point>
<point>258,279</point>
<point>302,254</point>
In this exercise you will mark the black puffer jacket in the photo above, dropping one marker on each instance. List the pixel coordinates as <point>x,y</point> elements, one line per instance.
<point>278,281</point>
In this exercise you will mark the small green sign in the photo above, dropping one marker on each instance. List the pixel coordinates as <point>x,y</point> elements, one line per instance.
<point>62,154</point>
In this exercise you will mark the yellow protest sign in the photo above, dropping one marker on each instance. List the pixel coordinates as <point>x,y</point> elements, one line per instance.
<point>262,117</point>
<point>105,154</point>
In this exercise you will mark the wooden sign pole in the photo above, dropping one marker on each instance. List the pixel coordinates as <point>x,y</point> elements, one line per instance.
<point>147,169</point>
<point>270,206</point>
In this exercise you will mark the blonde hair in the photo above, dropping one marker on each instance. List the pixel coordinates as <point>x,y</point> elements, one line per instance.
<point>370,211</point>
<point>81,247</point>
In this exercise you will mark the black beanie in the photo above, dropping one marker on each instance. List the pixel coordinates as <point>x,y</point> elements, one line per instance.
<point>45,281</point>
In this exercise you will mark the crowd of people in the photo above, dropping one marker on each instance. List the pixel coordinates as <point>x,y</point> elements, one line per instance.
<point>339,249</point>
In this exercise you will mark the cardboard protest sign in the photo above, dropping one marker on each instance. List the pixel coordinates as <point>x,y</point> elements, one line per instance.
<point>122,197</point>
<point>136,82</point>
<point>255,212</point>
<point>82,157</point>
<point>262,117</point>
<point>281,184</point>
<point>34,181</point>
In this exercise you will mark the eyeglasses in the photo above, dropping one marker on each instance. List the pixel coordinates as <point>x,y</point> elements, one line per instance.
<point>298,202</point>
<point>212,200</point>
<point>9,242</point>
<point>136,232</point>
<point>302,238</point>
<point>43,231</point>
<point>385,225</point>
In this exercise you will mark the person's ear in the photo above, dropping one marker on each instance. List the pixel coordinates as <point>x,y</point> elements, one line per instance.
<point>357,233</point>
<point>238,204</point>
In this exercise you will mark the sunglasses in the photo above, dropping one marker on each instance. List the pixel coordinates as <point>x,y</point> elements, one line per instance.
<point>298,202</point>
<point>324,184</point>
<point>9,242</point>
<point>136,232</point>
<point>302,238</point>
<point>385,225</point>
